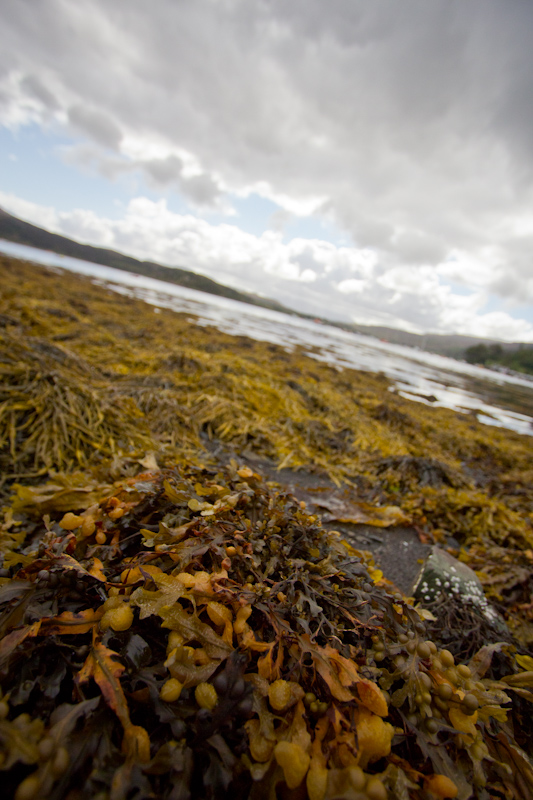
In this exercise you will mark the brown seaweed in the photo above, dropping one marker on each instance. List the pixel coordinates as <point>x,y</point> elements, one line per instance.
<point>173,627</point>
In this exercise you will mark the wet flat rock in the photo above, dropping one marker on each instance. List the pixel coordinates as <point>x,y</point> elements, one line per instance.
<point>397,551</point>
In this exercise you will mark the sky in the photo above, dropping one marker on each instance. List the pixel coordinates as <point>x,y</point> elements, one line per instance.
<point>360,160</point>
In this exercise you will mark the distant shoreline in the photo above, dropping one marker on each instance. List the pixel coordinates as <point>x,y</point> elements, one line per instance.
<point>17,231</point>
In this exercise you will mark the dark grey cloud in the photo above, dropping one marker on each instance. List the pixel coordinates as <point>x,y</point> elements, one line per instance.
<point>164,171</point>
<point>33,85</point>
<point>162,174</point>
<point>200,189</point>
<point>98,125</point>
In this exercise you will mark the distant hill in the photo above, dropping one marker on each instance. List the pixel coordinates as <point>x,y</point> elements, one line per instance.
<point>16,230</point>
<point>453,344</point>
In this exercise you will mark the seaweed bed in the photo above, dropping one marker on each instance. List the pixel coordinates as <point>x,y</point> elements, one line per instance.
<point>175,623</point>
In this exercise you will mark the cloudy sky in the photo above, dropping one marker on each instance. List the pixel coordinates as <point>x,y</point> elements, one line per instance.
<point>364,160</point>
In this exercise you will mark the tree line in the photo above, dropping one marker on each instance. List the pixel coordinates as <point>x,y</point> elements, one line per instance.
<point>520,360</point>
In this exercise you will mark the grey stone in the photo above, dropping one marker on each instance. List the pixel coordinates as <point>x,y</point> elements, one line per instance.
<point>444,574</point>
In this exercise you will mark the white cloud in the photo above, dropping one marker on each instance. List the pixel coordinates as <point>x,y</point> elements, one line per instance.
<point>44,216</point>
<point>302,206</point>
<point>308,275</point>
<point>406,124</point>
<point>351,285</point>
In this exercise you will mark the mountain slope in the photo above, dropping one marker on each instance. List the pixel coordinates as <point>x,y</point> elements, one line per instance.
<point>16,230</point>
<point>452,344</point>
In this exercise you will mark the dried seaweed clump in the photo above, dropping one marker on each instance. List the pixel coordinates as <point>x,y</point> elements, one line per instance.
<point>57,412</point>
<point>192,633</point>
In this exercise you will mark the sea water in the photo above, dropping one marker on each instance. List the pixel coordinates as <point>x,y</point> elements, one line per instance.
<point>495,398</point>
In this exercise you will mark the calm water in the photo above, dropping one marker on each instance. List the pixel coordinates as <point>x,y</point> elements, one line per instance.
<point>501,400</point>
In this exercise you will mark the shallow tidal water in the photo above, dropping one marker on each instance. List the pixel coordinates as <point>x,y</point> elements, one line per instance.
<point>496,399</point>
